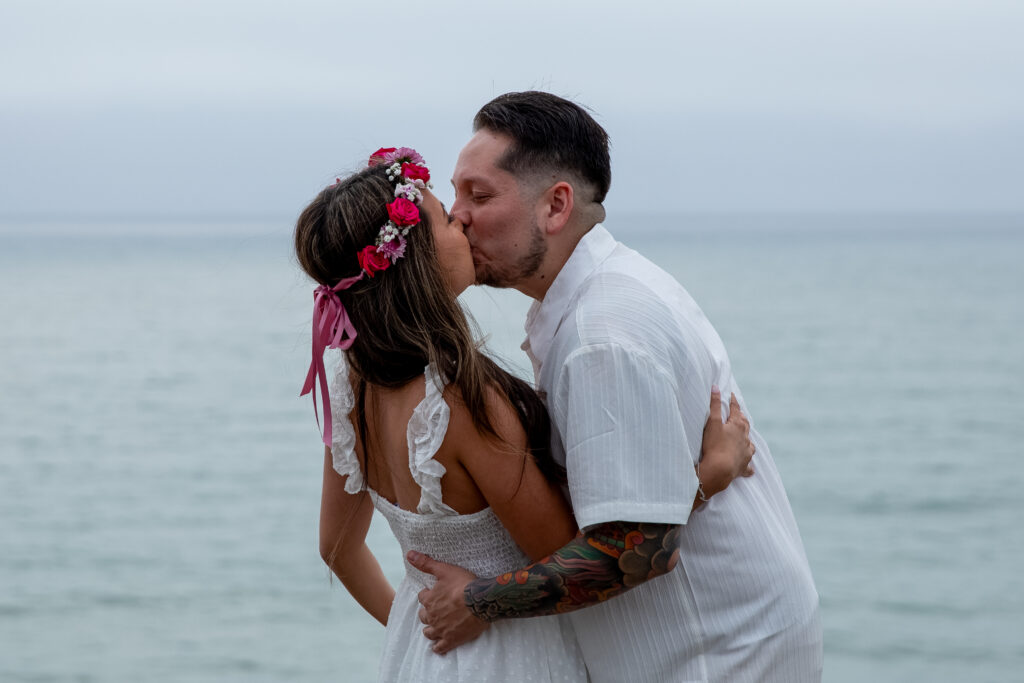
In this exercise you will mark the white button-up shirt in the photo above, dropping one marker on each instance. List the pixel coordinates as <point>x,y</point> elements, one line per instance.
<point>627,360</point>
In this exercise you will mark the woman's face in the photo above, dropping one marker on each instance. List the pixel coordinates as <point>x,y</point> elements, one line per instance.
<point>453,253</point>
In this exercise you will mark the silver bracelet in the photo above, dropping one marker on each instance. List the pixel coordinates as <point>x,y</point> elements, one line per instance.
<point>700,487</point>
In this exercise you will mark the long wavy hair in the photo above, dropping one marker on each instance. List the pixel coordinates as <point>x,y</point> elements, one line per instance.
<point>406,316</point>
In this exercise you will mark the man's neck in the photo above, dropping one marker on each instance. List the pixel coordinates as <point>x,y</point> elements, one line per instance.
<point>559,252</point>
<point>535,287</point>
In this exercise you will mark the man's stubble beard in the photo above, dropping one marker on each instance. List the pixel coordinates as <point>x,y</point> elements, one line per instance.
<point>528,265</point>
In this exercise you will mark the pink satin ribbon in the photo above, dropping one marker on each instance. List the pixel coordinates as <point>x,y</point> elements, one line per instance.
<point>332,329</point>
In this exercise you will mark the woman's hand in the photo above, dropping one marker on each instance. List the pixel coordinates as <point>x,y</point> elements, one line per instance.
<point>726,450</point>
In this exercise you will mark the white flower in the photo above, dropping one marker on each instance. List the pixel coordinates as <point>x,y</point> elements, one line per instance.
<point>409,191</point>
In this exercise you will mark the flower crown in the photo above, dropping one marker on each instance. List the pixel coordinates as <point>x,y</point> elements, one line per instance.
<point>406,168</point>
<point>332,327</point>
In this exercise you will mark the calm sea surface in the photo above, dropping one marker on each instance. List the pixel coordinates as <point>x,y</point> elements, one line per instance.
<point>159,475</point>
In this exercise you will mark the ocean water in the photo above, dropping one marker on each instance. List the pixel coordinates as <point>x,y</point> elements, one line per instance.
<point>159,475</point>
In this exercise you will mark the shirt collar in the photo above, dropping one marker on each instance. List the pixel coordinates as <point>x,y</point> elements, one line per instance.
<point>545,316</point>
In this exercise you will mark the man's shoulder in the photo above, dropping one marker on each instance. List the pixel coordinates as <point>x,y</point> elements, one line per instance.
<point>617,313</point>
<point>630,302</point>
<point>626,295</point>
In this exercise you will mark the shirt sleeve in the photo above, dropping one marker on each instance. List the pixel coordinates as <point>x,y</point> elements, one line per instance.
<point>627,452</point>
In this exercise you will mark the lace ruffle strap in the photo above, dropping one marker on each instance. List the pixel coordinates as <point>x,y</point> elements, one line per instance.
<point>427,427</point>
<point>343,435</point>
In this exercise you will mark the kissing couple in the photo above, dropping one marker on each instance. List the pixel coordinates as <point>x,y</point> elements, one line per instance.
<point>614,521</point>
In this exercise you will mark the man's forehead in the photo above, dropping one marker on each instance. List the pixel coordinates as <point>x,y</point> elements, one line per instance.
<point>485,145</point>
<point>477,162</point>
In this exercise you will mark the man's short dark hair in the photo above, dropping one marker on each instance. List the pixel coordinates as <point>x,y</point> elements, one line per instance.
<point>549,133</point>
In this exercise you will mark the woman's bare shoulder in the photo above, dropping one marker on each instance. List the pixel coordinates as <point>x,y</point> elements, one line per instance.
<point>502,416</point>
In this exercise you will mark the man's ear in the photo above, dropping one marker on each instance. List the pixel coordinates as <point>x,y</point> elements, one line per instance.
<point>556,208</point>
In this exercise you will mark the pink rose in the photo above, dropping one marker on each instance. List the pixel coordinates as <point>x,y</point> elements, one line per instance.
<point>416,172</point>
<point>380,156</point>
<point>403,212</point>
<point>371,261</point>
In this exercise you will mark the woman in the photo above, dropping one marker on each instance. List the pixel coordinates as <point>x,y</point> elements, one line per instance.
<point>425,428</point>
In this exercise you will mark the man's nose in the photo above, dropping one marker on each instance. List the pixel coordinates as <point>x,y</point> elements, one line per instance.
<point>460,212</point>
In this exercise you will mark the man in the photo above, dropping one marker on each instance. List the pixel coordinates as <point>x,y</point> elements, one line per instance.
<point>626,359</point>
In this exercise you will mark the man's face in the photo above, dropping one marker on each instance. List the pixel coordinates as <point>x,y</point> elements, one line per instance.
<point>500,223</point>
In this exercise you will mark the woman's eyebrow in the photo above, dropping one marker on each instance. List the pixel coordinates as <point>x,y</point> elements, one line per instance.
<point>443,208</point>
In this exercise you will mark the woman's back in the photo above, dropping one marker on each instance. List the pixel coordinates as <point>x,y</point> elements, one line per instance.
<point>404,424</point>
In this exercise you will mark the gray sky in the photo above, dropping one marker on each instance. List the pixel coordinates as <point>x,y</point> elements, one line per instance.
<point>220,107</point>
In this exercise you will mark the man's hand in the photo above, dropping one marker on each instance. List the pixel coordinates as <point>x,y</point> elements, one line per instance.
<point>443,607</point>
<point>726,450</point>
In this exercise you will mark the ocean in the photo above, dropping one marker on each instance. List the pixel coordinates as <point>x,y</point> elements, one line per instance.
<point>159,474</point>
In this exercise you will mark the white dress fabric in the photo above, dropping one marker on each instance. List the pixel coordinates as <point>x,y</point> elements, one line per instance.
<point>542,649</point>
<point>627,360</point>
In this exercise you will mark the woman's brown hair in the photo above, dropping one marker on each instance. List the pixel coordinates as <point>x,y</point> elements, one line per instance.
<point>406,317</point>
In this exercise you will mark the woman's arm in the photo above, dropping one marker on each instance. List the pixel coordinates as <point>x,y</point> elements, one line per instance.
<point>726,450</point>
<point>344,521</point>
<point>532,508</point>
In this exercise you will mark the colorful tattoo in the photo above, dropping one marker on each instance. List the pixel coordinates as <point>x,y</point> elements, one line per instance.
<point>594,567</point>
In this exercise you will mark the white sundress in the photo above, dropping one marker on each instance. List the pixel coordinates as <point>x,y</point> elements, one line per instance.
<point>541,649</point>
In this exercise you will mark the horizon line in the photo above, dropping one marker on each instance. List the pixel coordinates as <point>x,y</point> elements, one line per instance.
<point>242,217</point>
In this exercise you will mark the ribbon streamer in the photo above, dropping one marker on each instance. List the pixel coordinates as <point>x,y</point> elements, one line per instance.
<point>332,329</point>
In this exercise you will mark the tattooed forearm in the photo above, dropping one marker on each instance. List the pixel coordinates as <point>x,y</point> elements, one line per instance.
<point>599,564</point>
